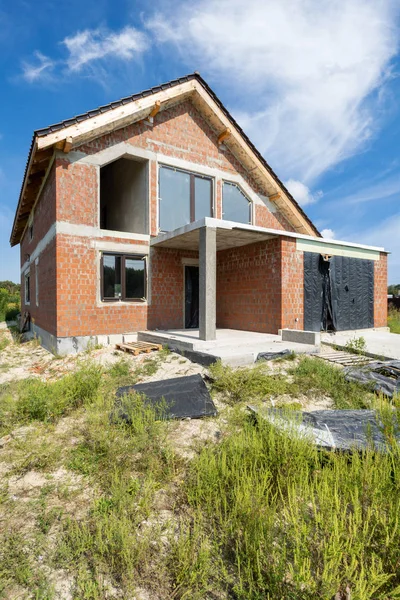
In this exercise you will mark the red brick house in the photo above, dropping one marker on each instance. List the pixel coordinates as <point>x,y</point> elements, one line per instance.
<point>157,212</point>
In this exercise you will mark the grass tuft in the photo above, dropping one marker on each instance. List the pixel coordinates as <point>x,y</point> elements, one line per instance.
<point>244,384</point>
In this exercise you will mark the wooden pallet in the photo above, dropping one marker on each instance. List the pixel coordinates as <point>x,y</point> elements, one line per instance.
<point>346,359</point>
<point>136,348</point>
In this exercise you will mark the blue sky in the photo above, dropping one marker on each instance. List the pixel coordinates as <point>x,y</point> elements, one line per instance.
<point>314,83</point>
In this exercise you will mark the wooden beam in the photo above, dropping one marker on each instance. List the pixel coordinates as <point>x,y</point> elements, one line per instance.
<point>275,197</point>
<point>42,155</point>
<point>67,144</point>
<point>155,109</point>
<point>115,117</point>
<point>224,135</point>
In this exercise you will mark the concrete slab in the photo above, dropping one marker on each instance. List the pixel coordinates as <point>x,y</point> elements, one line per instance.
<point>379,342</point>
<point>231,346</point>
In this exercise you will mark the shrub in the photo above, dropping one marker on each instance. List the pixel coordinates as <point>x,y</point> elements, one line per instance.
<point>357,345</point>
<point>394,320</point>
<point>242,385</point>
<point>11,314</point>
<point>289,521</point>
<point>313,375</point>
<point>45,401</point>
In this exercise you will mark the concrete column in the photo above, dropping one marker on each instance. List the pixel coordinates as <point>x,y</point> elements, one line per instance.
<point>207,282</point>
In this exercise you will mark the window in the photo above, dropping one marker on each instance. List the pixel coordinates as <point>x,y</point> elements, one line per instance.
<point>27,288</point>
<point>123,277</point>
<point>235,205</point>
<point>184,197</point>
<point>31,232</point>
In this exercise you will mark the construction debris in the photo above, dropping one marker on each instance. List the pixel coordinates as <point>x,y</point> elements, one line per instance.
<point>178,398</point>
<point>136,348</point>
<point>383,377</point>
<point>345,358</point>
<point>274,355</point>
<point>344,430</point>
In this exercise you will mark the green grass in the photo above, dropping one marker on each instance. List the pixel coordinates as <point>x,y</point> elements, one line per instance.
<point>244,384</point>
<point>394,320</point>
<point>282,520</point>
<point>313,376</point>
<point>33,399</point>
<point>259,515</point>
<point>309,376</point>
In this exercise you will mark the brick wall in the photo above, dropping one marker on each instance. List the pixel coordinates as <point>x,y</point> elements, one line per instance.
<point>292,265</point>
<point>77,193</point>
<point>380,291</point>
<point>167,288</point>
<point>43,218</point>
<point>79,312</point>
<point>43,315</point>
<point>179,132</point>
<point>249,287</point>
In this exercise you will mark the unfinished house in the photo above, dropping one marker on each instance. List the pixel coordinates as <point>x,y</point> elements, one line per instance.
<point>156,212</point>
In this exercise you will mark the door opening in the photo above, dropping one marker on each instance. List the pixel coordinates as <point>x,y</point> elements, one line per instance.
<point>191,297</point>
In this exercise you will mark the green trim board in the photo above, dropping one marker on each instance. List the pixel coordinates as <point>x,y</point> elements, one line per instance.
<point>336,249</point>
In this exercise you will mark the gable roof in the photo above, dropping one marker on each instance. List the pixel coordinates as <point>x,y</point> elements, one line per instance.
<point>87,126</point>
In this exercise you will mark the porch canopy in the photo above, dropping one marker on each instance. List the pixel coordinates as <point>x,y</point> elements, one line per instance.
<point>208,236</point>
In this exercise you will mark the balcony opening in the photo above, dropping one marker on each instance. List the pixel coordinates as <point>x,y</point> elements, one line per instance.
<point>124,196</point>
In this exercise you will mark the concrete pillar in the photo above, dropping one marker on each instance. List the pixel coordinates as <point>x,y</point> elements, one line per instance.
<point>207,283</point>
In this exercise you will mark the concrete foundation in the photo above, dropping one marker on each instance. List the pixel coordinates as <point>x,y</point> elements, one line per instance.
<point>233,347</point>
<point>300,337</point>
<point>75,344</point>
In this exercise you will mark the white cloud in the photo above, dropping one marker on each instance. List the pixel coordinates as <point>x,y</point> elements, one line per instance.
<point>328,234</point>
<point>301,193</point>
<point>39,70</point>
<point>86,49</point>
<point>94,44</point>
<point>308,68</point>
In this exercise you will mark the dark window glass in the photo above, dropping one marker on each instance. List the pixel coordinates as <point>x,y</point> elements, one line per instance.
<point>27,288</point>
<point>174,199</point>
<point>123,277</point>
<point>134,278</point>
<point>111,276</point>
<point>235,205</point>
<point>202,196</point>
<point>184,198</point>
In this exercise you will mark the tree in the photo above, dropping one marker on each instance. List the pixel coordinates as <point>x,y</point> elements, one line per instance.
<point>393,289</point>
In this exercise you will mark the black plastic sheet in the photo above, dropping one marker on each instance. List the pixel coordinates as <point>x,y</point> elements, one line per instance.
<point>338,293</point>
<point>333,429</point>
<point>382,377</point>
<point>179,398</point>
<point>273,355</point>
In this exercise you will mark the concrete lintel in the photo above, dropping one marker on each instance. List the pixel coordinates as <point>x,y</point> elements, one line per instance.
<point>207,283</point>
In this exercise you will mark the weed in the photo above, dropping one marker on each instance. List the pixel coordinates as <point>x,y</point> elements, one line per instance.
<point>394,320</point>
<point>313,375</point>
<point>242,385</point>
<point>289,521</point>
<point>4,342</point>
<point>121,368</point>
<point>357,345</point>
<point>46,401</point>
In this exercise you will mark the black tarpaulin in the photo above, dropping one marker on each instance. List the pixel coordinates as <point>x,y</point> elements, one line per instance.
<point>338,293</point>
<point>383,377</point>
<point>332,429</point>
<point>181,397</point>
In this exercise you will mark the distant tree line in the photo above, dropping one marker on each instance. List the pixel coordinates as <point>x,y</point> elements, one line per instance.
<point>10,301</point>
<point>394,289</point>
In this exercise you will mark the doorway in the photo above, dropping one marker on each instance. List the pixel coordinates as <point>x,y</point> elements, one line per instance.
<point>191,297</point>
